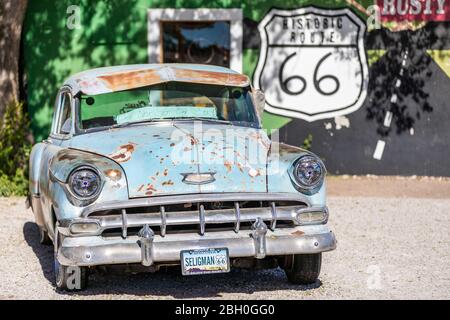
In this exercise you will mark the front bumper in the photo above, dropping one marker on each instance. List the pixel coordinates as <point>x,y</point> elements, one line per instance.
<point>149,249</point>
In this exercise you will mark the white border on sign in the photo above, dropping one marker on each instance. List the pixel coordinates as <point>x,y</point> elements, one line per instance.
<point>234,16</point>
<point>362,54</point>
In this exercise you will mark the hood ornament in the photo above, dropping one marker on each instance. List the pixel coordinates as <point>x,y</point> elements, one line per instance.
<point>198,178</point>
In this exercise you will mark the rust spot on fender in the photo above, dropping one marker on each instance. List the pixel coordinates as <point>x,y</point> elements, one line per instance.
<point>124,152</point>
<point>253,172</point>
<point>113,174</point>
<point>65,155</point>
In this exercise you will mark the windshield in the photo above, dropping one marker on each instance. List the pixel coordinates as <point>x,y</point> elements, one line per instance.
<point>173,100</point>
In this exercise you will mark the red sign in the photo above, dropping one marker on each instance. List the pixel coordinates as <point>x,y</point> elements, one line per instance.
<point>414,10</point>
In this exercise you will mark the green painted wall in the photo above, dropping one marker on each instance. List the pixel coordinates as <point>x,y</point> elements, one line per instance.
<point>112,32</point>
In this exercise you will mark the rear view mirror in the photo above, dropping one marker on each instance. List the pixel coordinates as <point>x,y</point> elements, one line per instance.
<point>260,101</point>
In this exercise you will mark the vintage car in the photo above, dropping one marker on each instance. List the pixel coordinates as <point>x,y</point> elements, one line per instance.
<point>167,165</point>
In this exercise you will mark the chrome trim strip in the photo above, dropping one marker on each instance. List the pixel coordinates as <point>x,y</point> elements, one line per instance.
<point>201,213</point>
<point>273,210</point>
<point>237,224</point>
<point>193,198</point>
<point>124,223</point>
<point>163,221</point>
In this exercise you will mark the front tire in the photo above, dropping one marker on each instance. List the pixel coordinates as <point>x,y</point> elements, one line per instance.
<point>68,278</point>
<point>303,268</point>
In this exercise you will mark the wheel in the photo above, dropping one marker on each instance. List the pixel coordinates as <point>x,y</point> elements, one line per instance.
<point>68,278</point>
<point>44,238</point>
<point>303,268</point>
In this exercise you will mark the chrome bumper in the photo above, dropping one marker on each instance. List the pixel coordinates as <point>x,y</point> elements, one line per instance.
<point>148,249</point>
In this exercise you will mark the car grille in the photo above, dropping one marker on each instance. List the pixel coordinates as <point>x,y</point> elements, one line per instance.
<point>200,217</point>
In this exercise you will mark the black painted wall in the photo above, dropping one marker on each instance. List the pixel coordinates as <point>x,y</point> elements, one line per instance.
<point>417,142</point>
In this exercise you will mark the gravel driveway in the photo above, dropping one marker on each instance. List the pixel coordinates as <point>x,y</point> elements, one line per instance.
<point>389,247</point>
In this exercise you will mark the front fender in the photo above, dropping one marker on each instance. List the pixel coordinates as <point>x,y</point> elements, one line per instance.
<point>35,167</point>
<point>280,162</point>
<point>114,187</point>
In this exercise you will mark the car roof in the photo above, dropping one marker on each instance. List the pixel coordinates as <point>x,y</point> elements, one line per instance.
<point>125,77</point>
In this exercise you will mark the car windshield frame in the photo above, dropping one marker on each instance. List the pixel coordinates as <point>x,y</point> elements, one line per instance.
<point>249,101</point>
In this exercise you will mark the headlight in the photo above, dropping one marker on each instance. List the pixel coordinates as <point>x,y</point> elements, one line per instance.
<point>308,172</point>
<point>85,183</point>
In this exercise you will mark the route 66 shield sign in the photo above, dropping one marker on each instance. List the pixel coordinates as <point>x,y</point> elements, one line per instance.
<point>312,63</point>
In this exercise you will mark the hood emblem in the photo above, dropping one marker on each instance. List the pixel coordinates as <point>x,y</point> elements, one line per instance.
<point>198,178</point>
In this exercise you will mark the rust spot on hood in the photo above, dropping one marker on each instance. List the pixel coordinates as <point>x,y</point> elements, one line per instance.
<point>227,165</point>
<point>167,183</point>
<point>124,152</point>
<point>194,141</point>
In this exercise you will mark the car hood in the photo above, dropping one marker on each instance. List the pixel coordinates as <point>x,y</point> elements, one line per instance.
<point>157,158</point>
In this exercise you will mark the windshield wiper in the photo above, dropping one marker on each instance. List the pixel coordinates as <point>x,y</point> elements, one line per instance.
<point>203,119</point>
<point>129,123</point>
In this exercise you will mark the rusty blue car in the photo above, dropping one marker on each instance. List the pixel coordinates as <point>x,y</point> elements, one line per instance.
<point>161,165</point>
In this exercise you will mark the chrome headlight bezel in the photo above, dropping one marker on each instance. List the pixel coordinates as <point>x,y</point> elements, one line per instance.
<point>302,186</point>
<point>78,196</point>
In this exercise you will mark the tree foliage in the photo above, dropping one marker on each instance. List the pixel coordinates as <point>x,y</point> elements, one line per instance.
<point>14,150</point>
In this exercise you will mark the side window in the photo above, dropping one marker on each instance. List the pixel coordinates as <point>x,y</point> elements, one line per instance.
<point>65,122</point>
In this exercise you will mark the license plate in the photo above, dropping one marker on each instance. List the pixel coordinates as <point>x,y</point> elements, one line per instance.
<point>205,261</point>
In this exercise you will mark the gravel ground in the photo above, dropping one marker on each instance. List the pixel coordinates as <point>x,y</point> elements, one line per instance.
<point>389,248</point>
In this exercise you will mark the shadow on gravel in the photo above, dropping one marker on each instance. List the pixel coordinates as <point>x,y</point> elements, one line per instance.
<point>43,252</point>
<point>167,282</point>
<point>172,284</point>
